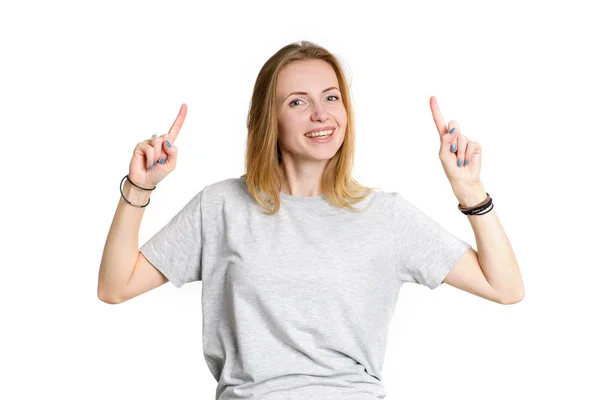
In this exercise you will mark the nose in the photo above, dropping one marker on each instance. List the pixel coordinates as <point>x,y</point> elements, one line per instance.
<point>319,113</point>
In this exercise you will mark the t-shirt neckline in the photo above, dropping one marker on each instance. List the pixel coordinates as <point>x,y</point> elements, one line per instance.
<point>319,198</point>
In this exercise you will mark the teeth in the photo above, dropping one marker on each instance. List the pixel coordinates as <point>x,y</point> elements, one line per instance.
<point>319,134</point>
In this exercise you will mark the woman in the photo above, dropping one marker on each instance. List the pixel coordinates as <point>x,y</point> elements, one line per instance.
<point>300,264</point>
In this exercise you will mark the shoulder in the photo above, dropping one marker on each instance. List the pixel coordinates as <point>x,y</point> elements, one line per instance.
<point>226,190</point>
<point>384,205</point>
<point>401,210</point>
<point>393,201</point>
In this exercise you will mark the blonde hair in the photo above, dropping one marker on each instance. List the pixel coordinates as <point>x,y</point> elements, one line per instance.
<point>263,155</point>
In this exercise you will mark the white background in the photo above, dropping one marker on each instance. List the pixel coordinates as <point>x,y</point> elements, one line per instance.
<point>82,83</point>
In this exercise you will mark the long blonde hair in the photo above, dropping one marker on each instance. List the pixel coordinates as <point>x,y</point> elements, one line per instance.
<point>263,155</point>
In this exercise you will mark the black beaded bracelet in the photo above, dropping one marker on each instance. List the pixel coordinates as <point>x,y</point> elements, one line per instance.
<point>123,196</point>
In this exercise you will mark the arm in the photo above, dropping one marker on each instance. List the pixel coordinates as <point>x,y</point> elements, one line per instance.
<point>492,272</point>
<point>121,254</point>
<point>495,261</point>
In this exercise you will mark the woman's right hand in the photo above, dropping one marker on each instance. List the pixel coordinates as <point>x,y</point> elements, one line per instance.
<point>146,169</point>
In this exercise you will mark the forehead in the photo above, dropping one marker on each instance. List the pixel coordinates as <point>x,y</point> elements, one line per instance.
<point>306,75</point>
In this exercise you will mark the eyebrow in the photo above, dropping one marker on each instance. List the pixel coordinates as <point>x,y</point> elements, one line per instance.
<point>304,93</point>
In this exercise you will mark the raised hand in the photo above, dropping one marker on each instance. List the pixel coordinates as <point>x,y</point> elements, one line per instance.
<point>460,157</point>
<point>153,159</point>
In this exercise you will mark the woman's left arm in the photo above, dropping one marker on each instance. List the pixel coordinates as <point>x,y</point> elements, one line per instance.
<point>494,252</point>
<point>491,272</point>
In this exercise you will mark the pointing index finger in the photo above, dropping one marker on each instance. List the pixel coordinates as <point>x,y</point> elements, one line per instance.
<point>438,118</point>
<point>176,127</point>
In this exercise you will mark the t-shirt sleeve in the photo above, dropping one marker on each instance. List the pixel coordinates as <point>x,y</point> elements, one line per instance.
<point>426,251</point>
<point>176,250</point>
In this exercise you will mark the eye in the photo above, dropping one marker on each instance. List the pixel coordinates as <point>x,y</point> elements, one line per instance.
<point>294,101</point>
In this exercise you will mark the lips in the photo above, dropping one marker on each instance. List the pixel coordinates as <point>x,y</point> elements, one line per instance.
<point>325,128</point>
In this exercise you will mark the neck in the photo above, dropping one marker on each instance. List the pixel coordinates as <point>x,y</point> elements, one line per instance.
<point>298,183</point>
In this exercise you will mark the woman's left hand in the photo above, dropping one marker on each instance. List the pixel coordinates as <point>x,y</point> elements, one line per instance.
<point>460,157</point>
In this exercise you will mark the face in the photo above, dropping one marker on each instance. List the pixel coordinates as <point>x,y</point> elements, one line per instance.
<point>309,99</point>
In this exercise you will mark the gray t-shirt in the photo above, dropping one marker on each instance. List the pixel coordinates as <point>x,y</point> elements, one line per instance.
<point>296,305</point>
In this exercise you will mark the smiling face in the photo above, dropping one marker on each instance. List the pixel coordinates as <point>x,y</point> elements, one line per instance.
<point>309,99</point>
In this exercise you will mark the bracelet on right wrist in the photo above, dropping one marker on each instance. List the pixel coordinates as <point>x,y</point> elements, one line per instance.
<point>123,196</point>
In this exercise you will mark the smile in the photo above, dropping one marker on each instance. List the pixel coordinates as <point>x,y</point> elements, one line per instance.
<point>322,136</point>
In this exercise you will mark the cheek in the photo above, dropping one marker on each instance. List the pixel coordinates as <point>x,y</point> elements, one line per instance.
<point>342,120</point>
<point>287,133</point>
<point>340,115</point>
<point>289,123</point>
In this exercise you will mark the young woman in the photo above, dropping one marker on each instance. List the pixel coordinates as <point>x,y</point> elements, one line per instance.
<point>301,265</point>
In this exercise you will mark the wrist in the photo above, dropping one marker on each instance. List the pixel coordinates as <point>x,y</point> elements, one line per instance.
<point>471,195</point>
<point>134,194</point>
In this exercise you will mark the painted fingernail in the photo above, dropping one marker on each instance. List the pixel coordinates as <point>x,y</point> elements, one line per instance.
<point>459,162</point>
<point>150,167</point>
<point>162,160</point>
<point>453,148</point>
<point>168,144</point>
<point>452,130</point>
<point>466,162</point>
<point>154,162</point>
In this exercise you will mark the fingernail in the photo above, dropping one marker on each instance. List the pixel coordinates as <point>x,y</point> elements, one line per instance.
<point>150,167</point>
<point>452,130</point>
<point>154,162</point>
<point>459,162</point>
<point>453,148</point>
<point>168,144</point>
<point>466,162</point>
<point>162,160</point>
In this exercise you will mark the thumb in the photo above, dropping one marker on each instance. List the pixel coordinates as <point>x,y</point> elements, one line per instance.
<point>475,158</point>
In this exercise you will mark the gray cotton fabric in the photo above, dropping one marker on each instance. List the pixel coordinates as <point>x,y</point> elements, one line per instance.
<point>297,305</point>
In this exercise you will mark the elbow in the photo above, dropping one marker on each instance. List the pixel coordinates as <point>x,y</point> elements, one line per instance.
<point>106,298</point>
<point>513,298</point>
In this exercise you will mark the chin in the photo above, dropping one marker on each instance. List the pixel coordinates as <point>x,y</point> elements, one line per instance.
<point>323,155</point>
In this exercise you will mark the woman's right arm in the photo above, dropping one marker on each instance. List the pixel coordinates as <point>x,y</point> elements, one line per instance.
<point>121,256</point>
<point>124,271</point>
